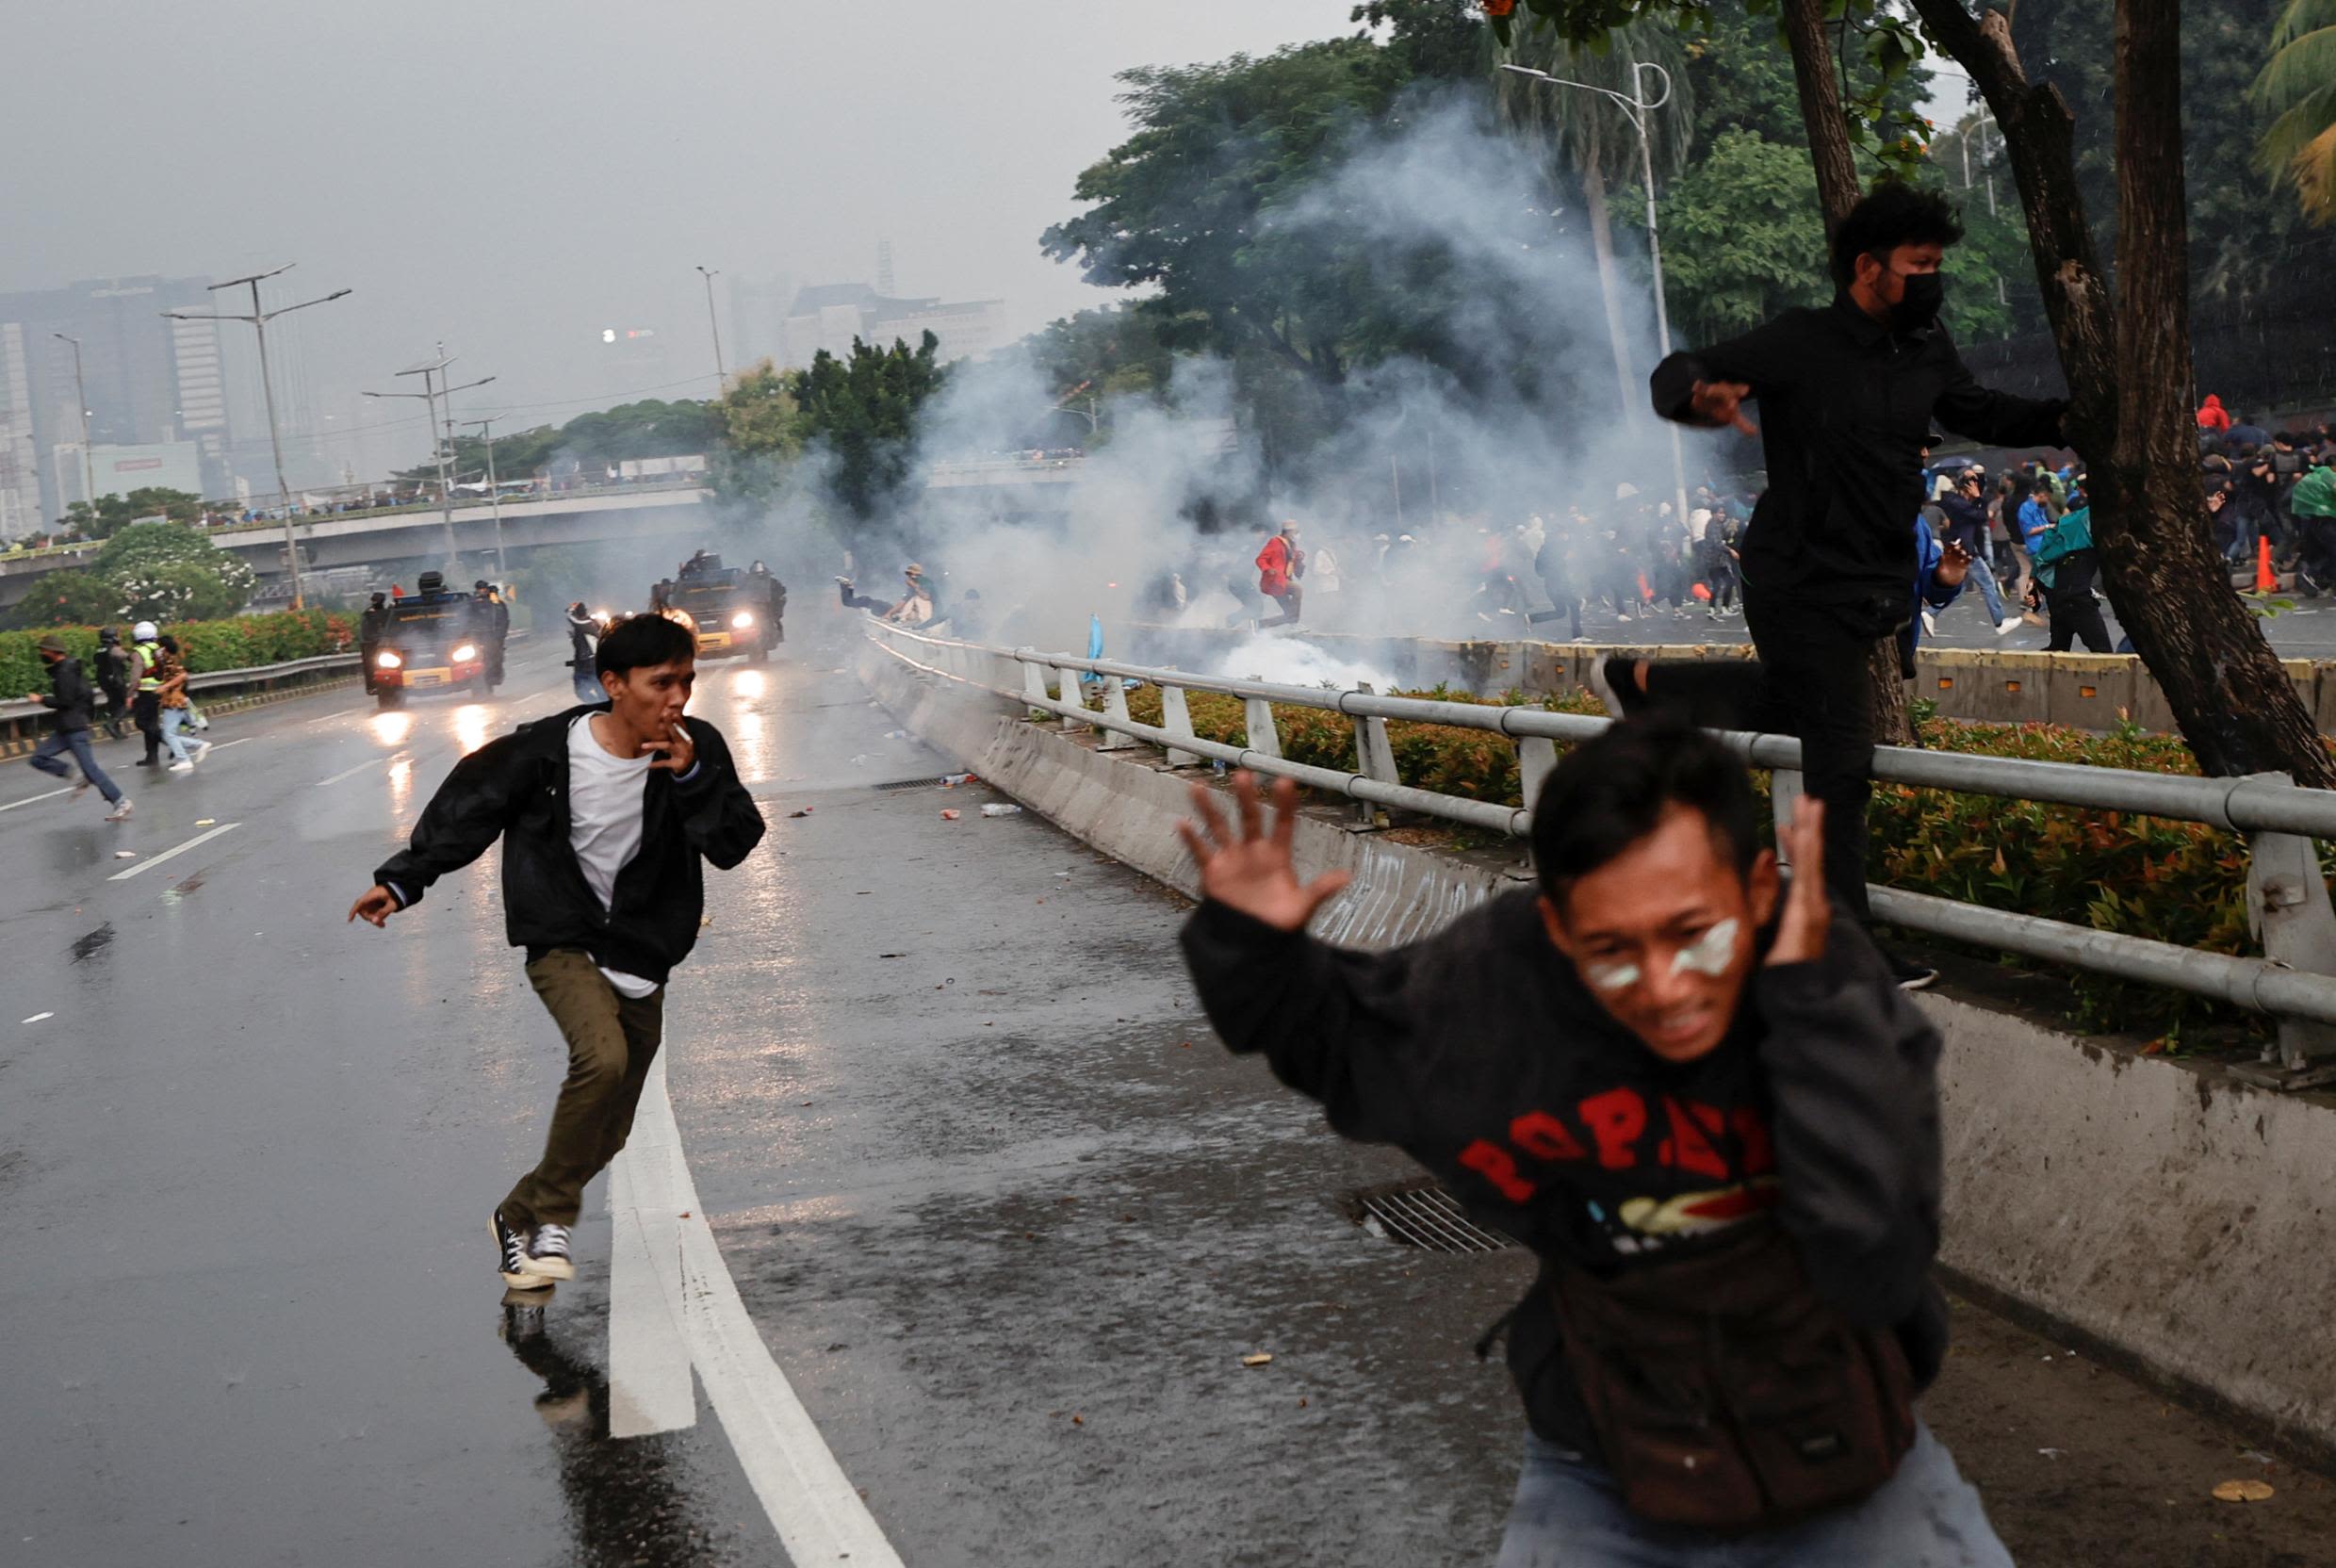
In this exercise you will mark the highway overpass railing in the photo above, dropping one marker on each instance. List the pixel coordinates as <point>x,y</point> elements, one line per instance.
<point>2294,982</point>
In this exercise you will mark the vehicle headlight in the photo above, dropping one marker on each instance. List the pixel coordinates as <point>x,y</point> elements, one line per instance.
<point>466,653</point>
<point>387,661</point>
<point>744,619</point>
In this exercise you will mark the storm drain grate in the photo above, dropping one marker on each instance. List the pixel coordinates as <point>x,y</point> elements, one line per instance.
<point>910,784</point>
<point>1420,1214</point>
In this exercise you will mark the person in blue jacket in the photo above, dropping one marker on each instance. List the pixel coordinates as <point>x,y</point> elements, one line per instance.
<point>1939,572</point>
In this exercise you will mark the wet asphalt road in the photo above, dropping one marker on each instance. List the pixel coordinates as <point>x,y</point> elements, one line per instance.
<point>1002,1210</point>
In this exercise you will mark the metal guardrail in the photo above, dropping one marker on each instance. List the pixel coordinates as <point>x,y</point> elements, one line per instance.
<point>212,680</point>
<point>2287,896</point>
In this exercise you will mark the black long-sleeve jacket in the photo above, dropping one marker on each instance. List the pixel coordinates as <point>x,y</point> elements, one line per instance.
<point>1481,1054</point>
<point>1846,408</point>
<point>517,788</point>
<point>70,696</point>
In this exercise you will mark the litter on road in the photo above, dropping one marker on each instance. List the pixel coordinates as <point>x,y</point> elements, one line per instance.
<point>1256,1359</point>
<point>952,816</point>
<point>1001,810</point>
<point>125,855</point>
<point>2243,1492</point>
<point>38,1017</point>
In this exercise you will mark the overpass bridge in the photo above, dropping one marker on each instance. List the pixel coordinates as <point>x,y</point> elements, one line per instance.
<point>406,533</point>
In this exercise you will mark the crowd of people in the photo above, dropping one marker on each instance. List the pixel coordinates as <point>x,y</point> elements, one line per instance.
<point>145,682</point>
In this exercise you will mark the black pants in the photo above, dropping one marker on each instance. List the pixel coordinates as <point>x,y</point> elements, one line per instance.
<point>116,704</point>
<point>1565,605</point>
<point>1810,681</point>
<point>146,712</point>
<point>2318,547</point>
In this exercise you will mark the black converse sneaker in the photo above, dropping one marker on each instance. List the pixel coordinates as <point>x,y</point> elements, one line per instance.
<point>511,1246</point>
<point>547,1254</point>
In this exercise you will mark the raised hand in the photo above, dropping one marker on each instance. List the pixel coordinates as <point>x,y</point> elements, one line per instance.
<point>1253,871</point>
<point>1954,562</point>
<point>1720,403</point>
<point>1801,930</point>
<point>676,753</point>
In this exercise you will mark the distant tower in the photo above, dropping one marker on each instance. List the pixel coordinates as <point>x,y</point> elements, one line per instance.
<point>884,269</point>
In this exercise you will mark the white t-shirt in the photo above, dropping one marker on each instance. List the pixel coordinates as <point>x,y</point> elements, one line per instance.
<point>605,796</point>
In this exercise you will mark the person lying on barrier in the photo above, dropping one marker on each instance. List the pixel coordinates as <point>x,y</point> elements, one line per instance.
<point>1692,1087</point>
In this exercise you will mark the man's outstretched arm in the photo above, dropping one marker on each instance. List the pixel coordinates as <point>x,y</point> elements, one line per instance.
<point>1708,386</point>
<point>462,821</point>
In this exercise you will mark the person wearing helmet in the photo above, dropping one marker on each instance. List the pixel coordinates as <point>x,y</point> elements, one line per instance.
<point>146,709</point>
<point>113,678</point>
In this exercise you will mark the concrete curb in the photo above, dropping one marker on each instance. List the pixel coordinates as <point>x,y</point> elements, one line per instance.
<point>2154,1211</point>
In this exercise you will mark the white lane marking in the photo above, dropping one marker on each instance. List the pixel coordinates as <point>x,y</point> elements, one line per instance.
<point>352,772</point>
<point>819,1516</point>
<point>649,1385</point>
<point>45,794</point>
<point>173,854</point>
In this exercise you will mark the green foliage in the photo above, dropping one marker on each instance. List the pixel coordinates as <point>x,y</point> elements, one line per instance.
<point>1743,236</point>
<point>762,431</point>
<point>148,571</point>
<point>115,512</point>
<point>650,428</point>
<point>863,411</point>
<point>222,644</point>
<point>2298,86</point>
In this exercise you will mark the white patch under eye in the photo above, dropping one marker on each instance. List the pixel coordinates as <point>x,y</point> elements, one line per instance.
<point>1612,977</point>
<point>1709,954</point>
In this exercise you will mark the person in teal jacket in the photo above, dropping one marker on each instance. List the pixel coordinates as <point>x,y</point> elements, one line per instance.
<point>2066,565</point>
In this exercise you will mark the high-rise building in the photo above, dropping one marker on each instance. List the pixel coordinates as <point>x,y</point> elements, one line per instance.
<point>830,315</point>
<point>150,381</point>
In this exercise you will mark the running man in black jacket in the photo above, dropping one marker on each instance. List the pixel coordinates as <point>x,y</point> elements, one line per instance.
<point>1661,1053</point>
<point>1848,394</point>
<point>605,812</point>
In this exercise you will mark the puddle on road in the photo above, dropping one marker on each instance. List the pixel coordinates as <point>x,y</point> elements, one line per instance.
<point>94,943</point>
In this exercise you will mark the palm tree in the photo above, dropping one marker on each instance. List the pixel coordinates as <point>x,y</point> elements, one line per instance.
<point>1593,134</point>
<point>2299,86</point>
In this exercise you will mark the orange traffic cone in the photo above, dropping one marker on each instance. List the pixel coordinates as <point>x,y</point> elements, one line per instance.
<point>2265,580</point>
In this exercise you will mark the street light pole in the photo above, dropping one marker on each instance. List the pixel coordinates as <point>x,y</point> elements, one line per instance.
<point>493,496</point>
<point>720,375</point>
<point>259,319</point>
<point>89,472</point>
<point>430,394</point>
<point>1640,110</point>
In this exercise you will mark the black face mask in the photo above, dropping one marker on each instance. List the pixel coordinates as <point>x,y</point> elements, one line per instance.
<point>1926,295</point>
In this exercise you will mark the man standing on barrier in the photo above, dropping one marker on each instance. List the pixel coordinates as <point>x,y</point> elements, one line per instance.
<point>1847,393</point>
<point>605,812</point>
<point>1704,1105</point>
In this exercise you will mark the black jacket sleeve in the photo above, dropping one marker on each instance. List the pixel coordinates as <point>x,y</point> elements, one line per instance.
<point>1854,1070</point>
<point>1998,418</point>
<point>1762,358</point>
<point>70,689</point>
<point>1335,1023</point>
<point>462,820</point>
<point>718,816</point>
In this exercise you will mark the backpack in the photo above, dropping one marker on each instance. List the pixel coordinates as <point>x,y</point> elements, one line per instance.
<point>1726,1395</point>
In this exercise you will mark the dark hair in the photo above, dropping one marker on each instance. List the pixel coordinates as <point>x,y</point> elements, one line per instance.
<point>1893,214</point>
<point>1609,792</point>
<point>644,640</point>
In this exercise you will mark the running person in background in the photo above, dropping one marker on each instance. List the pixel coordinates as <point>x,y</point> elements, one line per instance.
<point>605,813</point>
<point>177,710</point>
<point>1279,564</point>
<point>1698,1096</point>
<point>115,668</point>
<point>583,632</point>
<point>1846,394</point>
<point>70,700</point>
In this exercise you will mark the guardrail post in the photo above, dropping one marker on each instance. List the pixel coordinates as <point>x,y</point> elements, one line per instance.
<point>1073,697</point>
<point>1374,758</point>
<point>2287,908</point>
<point>1257,717</point>
<point>1536,758</point>
<point>1034,686</point>
<point>1115,704</point>
<point>1784,793</point>
<point>1177,720</point>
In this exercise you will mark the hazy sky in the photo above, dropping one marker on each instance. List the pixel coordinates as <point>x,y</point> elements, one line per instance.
<point>514,176</point>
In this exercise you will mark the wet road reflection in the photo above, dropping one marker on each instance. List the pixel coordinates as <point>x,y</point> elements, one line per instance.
<point>474,724</point>
<point>625,1506</point>
<point>392,727</point>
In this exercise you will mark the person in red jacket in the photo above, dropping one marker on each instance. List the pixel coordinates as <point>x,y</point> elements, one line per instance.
<point>2213,417</point>
<point>1279,564</point>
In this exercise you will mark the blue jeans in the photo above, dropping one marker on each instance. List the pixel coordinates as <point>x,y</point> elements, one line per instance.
<point>1984,575</point>
<point>588,687</point>
<point>53,746</point>
<point>174,720</point>
<point>1569,1514</point>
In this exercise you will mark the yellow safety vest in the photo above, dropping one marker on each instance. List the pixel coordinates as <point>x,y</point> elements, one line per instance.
<point>149,661</point>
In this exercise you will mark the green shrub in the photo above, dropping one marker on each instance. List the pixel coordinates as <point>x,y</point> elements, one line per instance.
<point>2177,882</point>
<point>230,644</point>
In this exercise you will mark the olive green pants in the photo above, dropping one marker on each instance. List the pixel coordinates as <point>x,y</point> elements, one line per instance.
<point>611,1041</point>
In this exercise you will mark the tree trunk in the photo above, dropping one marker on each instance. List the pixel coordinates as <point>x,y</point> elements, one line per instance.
<point>1820,108</point>
<point>1835,162</point>
<point>2129,369</point>
<point>1609,285</point>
